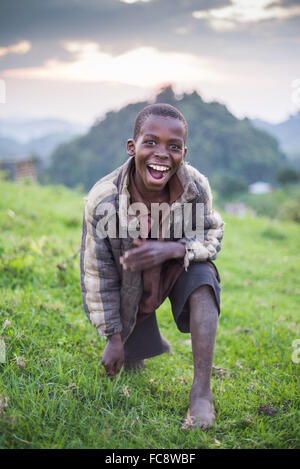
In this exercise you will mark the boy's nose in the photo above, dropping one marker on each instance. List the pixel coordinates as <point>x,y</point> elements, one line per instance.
<point>162,152</point>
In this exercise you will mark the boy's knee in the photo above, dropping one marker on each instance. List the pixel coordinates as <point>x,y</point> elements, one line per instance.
<point>203,297</point>
<point>205,291</point>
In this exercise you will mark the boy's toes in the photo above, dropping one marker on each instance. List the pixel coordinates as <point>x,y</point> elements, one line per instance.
<point>202,416</point>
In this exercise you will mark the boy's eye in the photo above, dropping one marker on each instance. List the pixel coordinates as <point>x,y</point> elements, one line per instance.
<point>150,142</point>
<point>173,146</point>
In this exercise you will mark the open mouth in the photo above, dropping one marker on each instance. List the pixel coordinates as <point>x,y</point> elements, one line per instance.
<point>158,172</point>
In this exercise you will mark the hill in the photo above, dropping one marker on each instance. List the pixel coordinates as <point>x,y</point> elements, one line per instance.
<point>10,148</point>
<point>219,145</point>
<point>21,137</point>
<point>286,132</point>
<point>25,129</point>
<point>53,390</point>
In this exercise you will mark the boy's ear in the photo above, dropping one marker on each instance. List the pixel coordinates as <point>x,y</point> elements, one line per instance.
<point>130,147</point>
<point>185,151</point>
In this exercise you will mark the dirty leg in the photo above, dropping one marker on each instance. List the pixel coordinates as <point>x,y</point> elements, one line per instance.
<point>203,326</point>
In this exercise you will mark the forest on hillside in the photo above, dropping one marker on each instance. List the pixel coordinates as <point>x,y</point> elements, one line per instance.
<point>230,151</point>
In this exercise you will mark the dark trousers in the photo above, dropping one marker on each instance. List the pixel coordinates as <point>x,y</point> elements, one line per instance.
<point>145,339</point>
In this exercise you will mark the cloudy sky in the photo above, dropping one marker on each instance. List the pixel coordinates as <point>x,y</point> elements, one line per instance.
<point>76,59</point>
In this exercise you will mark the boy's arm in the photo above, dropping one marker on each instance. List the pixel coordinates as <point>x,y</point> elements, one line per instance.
<point>196,250</point>
<point>149,253</point>
<point>99,278</point>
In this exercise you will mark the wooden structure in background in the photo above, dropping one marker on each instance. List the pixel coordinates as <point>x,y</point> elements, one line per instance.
<point>20,169</point>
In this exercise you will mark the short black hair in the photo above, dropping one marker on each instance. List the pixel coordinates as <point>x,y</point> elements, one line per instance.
<point>158,109</point>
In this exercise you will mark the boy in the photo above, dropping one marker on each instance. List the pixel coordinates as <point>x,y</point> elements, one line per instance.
<point>124,280</point>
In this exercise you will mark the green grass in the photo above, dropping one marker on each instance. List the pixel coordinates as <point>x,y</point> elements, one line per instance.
<point>282,204</point>
<point>58,394</point>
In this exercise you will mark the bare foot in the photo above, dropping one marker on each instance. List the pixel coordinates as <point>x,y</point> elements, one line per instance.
<point>201,413</point>
<point>133,365</point>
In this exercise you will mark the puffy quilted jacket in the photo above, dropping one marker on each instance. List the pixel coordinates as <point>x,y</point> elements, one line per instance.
<point>110,294</point>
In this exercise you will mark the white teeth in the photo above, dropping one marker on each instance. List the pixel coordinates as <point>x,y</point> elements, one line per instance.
<point>158,168</point>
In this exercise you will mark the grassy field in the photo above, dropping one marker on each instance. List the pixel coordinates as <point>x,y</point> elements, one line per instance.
<point>53,390</point>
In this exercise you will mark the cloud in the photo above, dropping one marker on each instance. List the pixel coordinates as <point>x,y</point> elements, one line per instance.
<point>143,66</point>
<point>285,3</point>
<point>242,12</point>
<point>118,25</point>
<point>230,51</point>
<point>21,47</point>
<point>167,25</point>
<point>134,1</point>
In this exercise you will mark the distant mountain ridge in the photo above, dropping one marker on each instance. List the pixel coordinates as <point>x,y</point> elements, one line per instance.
<point>286,132</point>
<point>20,137</point>
<point>25,129</point>
<point>10,148</point>
<point>219,145</point>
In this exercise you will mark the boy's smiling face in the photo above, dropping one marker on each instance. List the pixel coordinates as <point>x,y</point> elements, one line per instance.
<point>159,151</point>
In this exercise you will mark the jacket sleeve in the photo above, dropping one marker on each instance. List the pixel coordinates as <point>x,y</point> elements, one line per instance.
<point>208,248</point>
<point>99,277</point>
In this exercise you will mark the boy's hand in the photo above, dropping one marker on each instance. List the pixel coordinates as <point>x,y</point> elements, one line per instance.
<point>113,355</point>
<point>148,254</point>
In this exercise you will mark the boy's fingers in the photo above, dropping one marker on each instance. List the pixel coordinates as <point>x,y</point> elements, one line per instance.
<point>124,262</point>
<point>108,367</point>
<point>118,366</point>
<point>110,370</point>
<point>138,242</point>
<point>138,263</point>
<point>132,253</point>
<point>136,259</point>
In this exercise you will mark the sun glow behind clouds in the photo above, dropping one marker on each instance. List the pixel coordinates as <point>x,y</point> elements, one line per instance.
<point>21,47</point>
<point>144,66</point>
<point>245,11</point>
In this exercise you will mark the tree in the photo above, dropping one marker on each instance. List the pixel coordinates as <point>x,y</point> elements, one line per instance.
<point>217,142</point>
<point>288,176</point>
